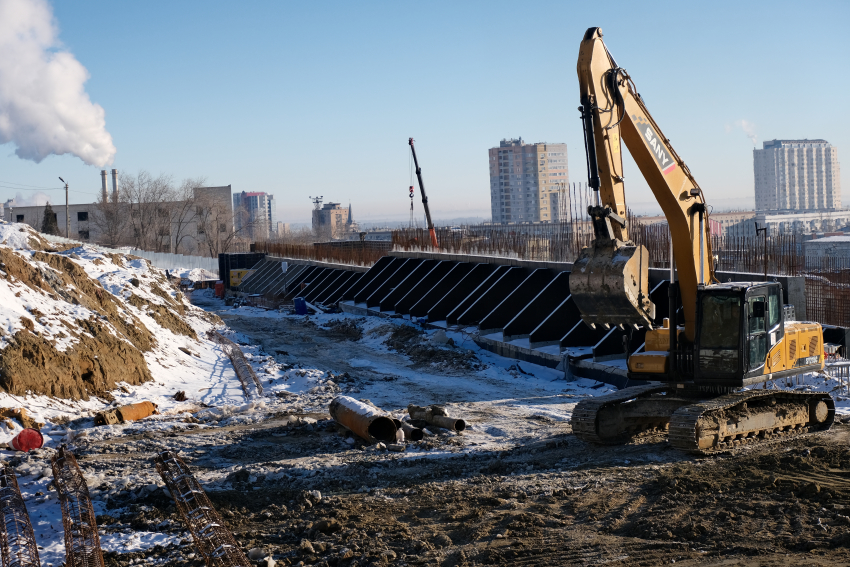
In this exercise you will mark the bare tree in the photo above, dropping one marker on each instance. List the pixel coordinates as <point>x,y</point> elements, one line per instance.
<point>148,199</point>
<point>215,225</point>
<point>184,213</point>
<point>111,219</point>
<point>301,235</point>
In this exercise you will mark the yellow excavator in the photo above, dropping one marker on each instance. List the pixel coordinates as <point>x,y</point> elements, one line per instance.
<point>731,335</point>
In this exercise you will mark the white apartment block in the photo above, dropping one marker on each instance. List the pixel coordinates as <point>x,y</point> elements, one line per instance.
<point>797,175</point>
<point>528,182</point>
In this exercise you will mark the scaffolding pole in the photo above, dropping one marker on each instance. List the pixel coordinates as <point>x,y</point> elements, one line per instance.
<point>18,547</point>
<point>82,544</point>
<point>212,538</point>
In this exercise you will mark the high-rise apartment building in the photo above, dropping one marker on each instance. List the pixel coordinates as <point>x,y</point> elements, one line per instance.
<point>331,221</point>
<point>797,175</point>
<point>254,214</point>
<point>528,181</point>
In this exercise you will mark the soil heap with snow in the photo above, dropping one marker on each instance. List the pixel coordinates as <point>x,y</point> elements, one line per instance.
<point>76,322</point>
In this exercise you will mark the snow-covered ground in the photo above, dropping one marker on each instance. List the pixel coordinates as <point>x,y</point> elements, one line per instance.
<point>193,274</point>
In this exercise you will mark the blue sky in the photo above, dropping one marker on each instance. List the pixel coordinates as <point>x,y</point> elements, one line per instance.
<point>307,98</point>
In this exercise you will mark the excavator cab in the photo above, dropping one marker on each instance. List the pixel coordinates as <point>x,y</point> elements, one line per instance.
<point>742,338</point>
<point>737,324</point>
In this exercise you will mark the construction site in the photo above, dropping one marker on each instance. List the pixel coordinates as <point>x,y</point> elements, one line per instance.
<point>592,391</point>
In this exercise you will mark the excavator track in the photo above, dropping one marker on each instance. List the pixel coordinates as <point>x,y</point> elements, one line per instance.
<point>749,417</point>
<point>585,415</point>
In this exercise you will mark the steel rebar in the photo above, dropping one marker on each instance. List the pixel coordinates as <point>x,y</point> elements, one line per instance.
<point>213,540</point>
<point>18,547</point>
<point>243,368</point>
<point>82,544</point>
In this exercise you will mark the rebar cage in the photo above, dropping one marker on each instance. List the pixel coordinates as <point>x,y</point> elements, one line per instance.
<point>82,544</point>
<point>18,546</point>
<point>212,539</point>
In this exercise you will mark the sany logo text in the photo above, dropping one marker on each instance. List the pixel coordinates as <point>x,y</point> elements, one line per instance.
<point>662,156</point>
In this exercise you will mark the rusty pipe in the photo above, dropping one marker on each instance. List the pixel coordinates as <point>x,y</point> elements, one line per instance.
<point>363,420</point>
<point>412,433</point>
<point>447,422</point>
<point>436,415</point>
<point>131,412</point>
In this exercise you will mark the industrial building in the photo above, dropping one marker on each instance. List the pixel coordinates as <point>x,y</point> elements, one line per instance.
<point>796,176</point>
<point>737,223</point>
<point>743,223</point>
<point>528,182</point>
<point>178,227</point>
<point>255,214</point>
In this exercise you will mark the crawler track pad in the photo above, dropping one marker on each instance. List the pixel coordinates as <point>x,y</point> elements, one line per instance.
<point>749,417</point>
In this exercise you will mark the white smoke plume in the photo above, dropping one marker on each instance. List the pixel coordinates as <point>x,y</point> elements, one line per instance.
<point>44,108</point>
<point>748,127</point>
<point>36,199</point>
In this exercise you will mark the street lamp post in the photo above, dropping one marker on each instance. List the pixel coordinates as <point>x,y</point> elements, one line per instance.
<point>67,214</point>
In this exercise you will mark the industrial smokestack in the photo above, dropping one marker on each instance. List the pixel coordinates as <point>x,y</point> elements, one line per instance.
<point>114,185</point>
<point>103,185</point>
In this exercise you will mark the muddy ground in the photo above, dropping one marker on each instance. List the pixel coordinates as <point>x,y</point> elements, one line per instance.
<point>549,499</point>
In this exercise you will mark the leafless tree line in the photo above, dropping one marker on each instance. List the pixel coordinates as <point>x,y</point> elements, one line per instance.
<point>157,213</point>
<point>300,236</point>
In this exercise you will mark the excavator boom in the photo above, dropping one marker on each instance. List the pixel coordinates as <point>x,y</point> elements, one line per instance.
<point>612,272</point>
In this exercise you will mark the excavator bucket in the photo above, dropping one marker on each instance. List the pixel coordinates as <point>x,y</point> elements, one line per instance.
<point>610,284</point>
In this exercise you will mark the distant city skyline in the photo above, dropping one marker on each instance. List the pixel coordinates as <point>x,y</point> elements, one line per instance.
<point>305,99</point>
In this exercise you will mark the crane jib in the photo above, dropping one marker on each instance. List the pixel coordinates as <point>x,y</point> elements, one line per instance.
<point>662,156</point>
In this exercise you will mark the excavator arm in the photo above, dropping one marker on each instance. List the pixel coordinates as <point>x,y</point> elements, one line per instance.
<point>610,279</point>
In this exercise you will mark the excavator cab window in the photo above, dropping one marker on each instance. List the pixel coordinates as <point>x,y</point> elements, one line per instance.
<point>775,324</point>
<point>774,308</point>
<point>720,321</point>
<point>719,334</point>
<point>757,331</point>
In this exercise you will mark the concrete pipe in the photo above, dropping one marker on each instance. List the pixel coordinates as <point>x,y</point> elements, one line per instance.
<point>365,421</point>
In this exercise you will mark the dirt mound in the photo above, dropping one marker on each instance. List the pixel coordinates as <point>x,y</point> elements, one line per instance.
<point>346,329</point>
<point>18,235</point>
<point>163,316</point>
<point>93,366</point>
<point>70,337</point>
<point>409,340</point>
